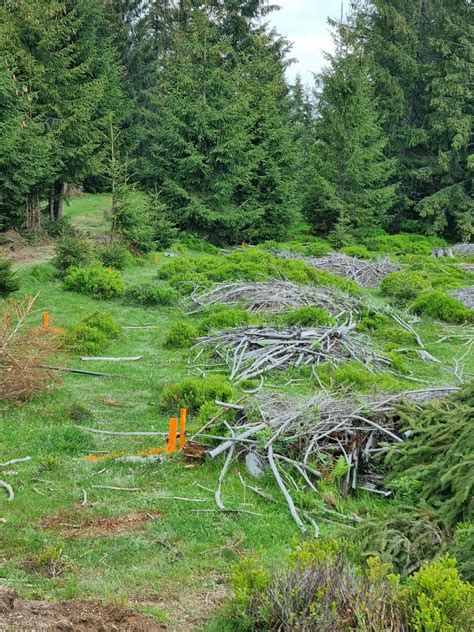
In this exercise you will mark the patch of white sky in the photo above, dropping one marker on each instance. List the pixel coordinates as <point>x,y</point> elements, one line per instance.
<point>304,23</point>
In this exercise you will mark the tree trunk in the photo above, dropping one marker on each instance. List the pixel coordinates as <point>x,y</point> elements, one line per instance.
<point>58,199</point>
<point>50,206</point>
<point>33,216</point>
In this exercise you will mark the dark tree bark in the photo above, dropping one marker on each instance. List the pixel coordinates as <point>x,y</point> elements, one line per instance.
<point>33,215</point>
<point>58,199</point>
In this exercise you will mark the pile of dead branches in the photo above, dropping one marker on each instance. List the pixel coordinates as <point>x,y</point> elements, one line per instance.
<point>273,296</point>
<point>366,273</point>
<point>249,352</point>
<point>22,351</point>
<point>301,441</point>
<point>463,250</point>
<point>466,296</point>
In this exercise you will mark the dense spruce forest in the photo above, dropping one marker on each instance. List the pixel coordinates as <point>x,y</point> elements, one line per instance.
<point>188,102</point>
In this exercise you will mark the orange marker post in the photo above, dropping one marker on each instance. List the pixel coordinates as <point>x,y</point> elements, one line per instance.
<point>182,428</point>
<point>46,320</point>
<point>172,435</point>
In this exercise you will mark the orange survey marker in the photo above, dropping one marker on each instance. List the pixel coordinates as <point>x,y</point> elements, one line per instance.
<point>182,428</point>
<point>45,320</point>
<point>172,435</point>
<point>170,448</point>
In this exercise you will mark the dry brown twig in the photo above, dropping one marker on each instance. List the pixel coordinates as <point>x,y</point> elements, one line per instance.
<point>22,351</point>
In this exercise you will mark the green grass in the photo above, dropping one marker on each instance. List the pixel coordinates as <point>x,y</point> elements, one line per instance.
<point>191,548</point>
<point>90,212</point>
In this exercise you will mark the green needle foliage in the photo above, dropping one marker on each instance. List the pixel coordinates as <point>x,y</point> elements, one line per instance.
<point>439,456</point>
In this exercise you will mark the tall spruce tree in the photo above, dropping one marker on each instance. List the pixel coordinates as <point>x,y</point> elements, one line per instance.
<point>26,147</point>
<point>217,141</point>
<point>351,185</point>
<point>422,64</point>
<point>303,125</point>
<point>58,52</point>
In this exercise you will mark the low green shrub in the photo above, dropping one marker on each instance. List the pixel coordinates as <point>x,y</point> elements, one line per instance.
<point>442,307</point>
<point>60,227</point>
<point>92,334</point>
<point>439,600</point>
<point>318,247</point>
<point>316,589</point>
<point>115,254</point>
<point>8,280</point>
<point>404,286</point>
<point>442,275</point>
<point>356,376</point>
<point>385,330</point>
<point>223,317</point>
<point>181,336</point>
<point>249,264</point>
<point>104,323</point>
<point>360,252</point>
<point>397,361</point>
<point>308,317</point>
<point>462,549</point>
<point>193,242</point>
<point>404,243</point>
<point>193,392</point>
<point>149,295</point>
<point>99,282</point>
<point>43,272</point>
<point>72,251</point>
<point>310,246</point>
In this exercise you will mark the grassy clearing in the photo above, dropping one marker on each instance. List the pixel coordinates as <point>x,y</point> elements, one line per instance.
<point>191,545</point>
<point>90,212</point>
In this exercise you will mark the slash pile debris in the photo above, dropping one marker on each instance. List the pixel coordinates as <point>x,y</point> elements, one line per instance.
<point>364,273</point>
<point>249,352</point>
<point>273,296</point>
<point>466,296</point>
<point>463,250</point>
<point>300,441</point>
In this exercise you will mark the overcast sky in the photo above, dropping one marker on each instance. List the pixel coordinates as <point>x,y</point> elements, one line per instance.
<point>304,22</point>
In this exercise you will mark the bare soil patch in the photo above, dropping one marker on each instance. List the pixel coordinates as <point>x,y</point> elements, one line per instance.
<point>82,524</point>
<point>189,610</point>
<point>13,246</point>
<point>75,615</point>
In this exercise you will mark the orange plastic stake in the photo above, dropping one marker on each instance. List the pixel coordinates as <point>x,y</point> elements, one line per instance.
<point>46,320</point>
<point>172,435</point>
<point>182,428</point>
